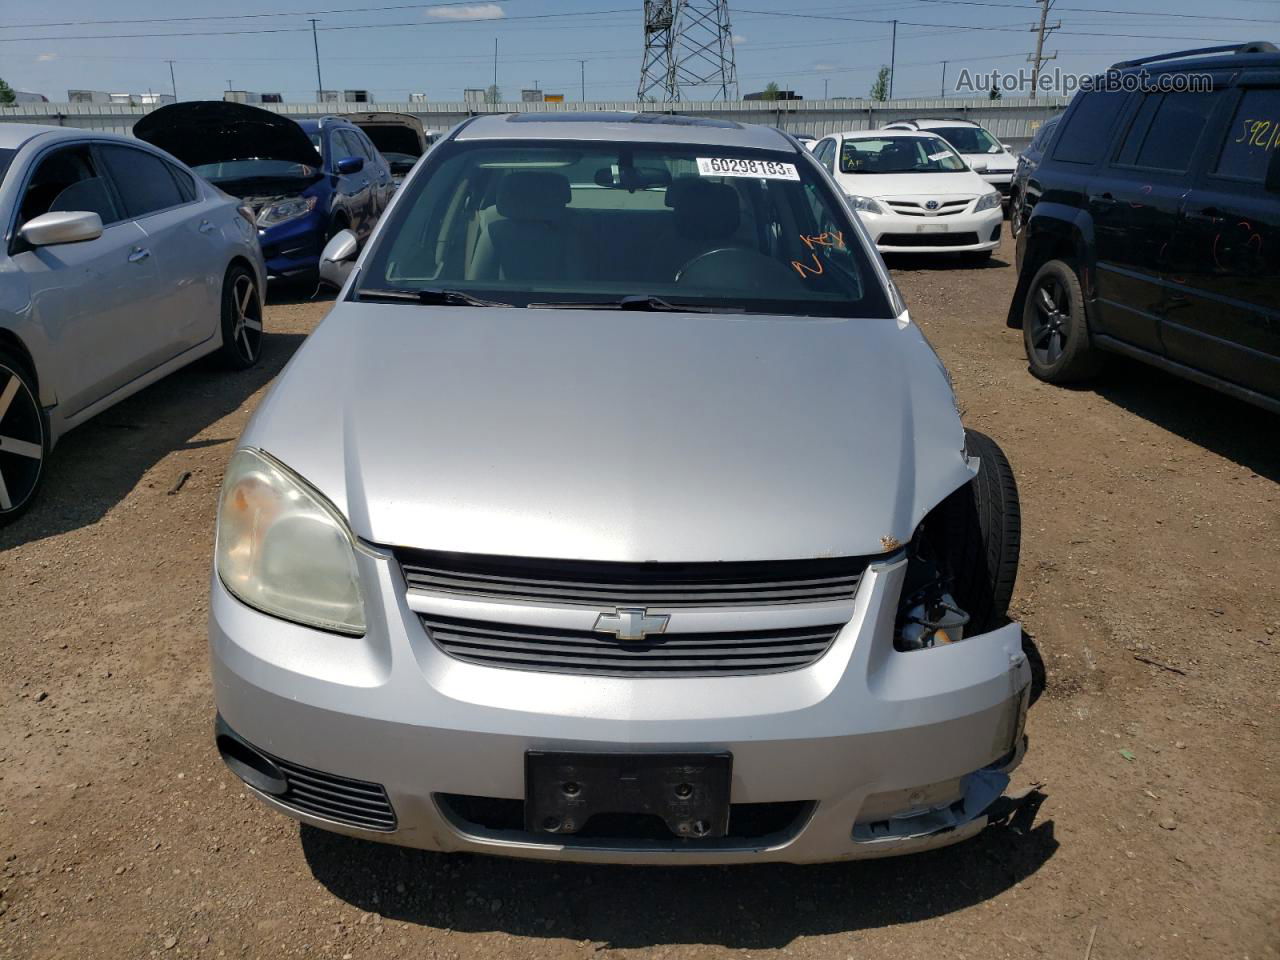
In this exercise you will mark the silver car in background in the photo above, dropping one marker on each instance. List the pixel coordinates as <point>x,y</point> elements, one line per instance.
<point>618,512</point>
<point>119,266</point>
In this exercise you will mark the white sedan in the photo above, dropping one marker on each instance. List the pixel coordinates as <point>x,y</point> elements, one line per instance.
<point>913,192</point>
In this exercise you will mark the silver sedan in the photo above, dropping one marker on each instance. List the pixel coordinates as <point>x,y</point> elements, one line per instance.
<point>119,266</point>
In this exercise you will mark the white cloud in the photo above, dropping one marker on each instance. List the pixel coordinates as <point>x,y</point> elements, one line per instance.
<point>41,58</point>
<point>739,38</point>
<point>824,67</point>
<point>467,11</point>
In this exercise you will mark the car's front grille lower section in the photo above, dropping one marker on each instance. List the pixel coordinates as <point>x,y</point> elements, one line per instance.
<point>356,803</point>
<point>608,584</point>
<point>502,819</point>
<point>927,239</point>
<point>586,652</point>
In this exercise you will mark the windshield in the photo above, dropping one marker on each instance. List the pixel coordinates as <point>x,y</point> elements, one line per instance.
<point>560,222</point>
<point>248,169</point>
<point>6,158</point>
<point>899,155</point>
<point>969,139</point>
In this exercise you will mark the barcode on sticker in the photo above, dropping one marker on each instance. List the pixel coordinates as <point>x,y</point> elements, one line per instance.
<point>735,167</point>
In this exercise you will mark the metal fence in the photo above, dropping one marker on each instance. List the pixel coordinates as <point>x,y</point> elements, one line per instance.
<point>1013,120</point>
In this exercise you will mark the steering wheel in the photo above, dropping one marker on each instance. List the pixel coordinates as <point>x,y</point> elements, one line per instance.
<point>735,266</point>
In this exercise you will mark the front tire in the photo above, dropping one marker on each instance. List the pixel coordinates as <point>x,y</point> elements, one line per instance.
<point>983,537</point>
<point>24,439</point>
<point>241,319</point>
<point>1055,331</point>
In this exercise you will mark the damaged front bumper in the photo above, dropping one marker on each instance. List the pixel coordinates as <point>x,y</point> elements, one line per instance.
<point>868,752</point>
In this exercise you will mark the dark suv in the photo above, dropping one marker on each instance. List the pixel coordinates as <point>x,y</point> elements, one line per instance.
<point>1154,225</point>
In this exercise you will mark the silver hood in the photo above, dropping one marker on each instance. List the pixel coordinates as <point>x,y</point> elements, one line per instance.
<point>616,435</point>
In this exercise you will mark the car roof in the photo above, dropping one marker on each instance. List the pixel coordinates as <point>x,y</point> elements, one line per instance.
<point>927,123</point>
<point>13,135</point>
<point>625,126</point>
<point>885,132</point>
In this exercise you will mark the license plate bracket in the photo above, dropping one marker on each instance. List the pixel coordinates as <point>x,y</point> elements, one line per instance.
<point>688,791</point>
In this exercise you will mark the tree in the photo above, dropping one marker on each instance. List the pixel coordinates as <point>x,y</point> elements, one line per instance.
<point>880,89</point>
<point>493,94</point>
<point>995,94</point>
<point>6,93</point>
<point>771,91</point>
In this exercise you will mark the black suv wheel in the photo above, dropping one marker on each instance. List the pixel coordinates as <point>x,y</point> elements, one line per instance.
<point>1055,331</point>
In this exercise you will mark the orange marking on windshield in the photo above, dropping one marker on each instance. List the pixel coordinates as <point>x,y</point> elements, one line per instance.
<point>806,271</point>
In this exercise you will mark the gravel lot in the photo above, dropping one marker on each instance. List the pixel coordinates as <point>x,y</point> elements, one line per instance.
<point>1149,589</point>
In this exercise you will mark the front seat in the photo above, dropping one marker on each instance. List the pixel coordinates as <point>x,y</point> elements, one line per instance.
<point>707,216</point>
<point>533,237</point>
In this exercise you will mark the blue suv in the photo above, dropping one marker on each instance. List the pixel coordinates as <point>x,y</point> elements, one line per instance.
<point>301,181</point>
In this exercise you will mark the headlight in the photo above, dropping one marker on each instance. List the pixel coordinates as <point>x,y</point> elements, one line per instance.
<point>285,550</point>
<point>987,202</point>
<point>284,210</point>
<point>866,204</point>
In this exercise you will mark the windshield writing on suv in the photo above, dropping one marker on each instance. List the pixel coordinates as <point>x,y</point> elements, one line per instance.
<point>968,139</point>
<point>898,155</point>
<point>560,223</point>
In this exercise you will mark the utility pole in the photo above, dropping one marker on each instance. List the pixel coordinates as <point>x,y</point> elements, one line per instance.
<point>495,70</point>
<point>943,92</point>
<point>893,57</point>
<point>825,88</point>
<point>315,42</point>
<point>172,82</point>
<point>1039,57</point>
<point>582,70</point>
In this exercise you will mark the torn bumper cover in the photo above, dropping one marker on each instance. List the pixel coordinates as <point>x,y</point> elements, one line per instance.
<point>869,751</point>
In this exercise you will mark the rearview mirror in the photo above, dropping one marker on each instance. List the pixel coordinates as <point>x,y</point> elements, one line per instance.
<point>63,226</point>
<point>338,258</point>
<point>350,165</point>
<point>1273,174</point>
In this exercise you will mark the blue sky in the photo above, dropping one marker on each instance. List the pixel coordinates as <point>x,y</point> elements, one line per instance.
<point>439,49</point>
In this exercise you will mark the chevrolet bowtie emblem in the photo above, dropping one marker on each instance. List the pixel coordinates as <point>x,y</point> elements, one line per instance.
<point>631,623</point>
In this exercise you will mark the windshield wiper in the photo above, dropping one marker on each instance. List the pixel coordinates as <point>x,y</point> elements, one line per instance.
<point>646,303</point>
<point>429,297</point>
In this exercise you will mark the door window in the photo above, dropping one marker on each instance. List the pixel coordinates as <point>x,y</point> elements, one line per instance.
<point>1088,129</point>
<point>66,180</point>
<point>1253,138</point>
<point>142,179</point>
<point>1165,131</point>
<point>351,146</point>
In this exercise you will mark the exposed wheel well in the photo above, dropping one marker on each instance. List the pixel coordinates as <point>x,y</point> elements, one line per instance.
<point>238,261</point>
<point>1056,248</point>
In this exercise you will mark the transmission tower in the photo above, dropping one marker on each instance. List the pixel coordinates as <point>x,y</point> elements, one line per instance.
<point>688,44</point>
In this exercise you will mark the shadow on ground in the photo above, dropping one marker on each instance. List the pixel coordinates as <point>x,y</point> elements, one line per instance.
<point>745,907</point>
<point>1231,428</point>
<point>96,465</point>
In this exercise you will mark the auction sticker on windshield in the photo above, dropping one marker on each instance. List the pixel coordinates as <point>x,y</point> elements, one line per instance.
<point>734,167</point>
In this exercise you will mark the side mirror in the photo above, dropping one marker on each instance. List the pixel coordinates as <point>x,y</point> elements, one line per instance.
<point>1272,182</point>
<point>979,166</point>
<point>338,258</point>
<point>63,226</point>
<point>350,165</point>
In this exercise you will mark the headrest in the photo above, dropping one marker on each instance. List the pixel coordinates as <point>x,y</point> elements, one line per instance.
<point>704,210</point>
<point>533,195</point>
<point>90,195</point>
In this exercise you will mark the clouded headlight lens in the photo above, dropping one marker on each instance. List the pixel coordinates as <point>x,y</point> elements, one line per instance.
<point>987,202</point>
<point>283,549</point>
<point>286,210</point>
<point>866,204</point>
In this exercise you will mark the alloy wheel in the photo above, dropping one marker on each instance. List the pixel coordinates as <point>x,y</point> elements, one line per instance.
<point>21,441</point>
<point>1051,322</point>
<point>246,324</point>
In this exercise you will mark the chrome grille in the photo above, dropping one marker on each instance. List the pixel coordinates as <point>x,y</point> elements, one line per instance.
<point>608,584</point>
<point>356,803</point>
<point>558,650</point>
<point>912,208</point>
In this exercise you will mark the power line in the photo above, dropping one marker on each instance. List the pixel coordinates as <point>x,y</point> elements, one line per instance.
<point>351,26</point>
<point>238,16</point>
<point>1119,13</point>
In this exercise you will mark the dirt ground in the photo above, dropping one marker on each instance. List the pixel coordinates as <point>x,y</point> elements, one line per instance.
<point>1149,589</point>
